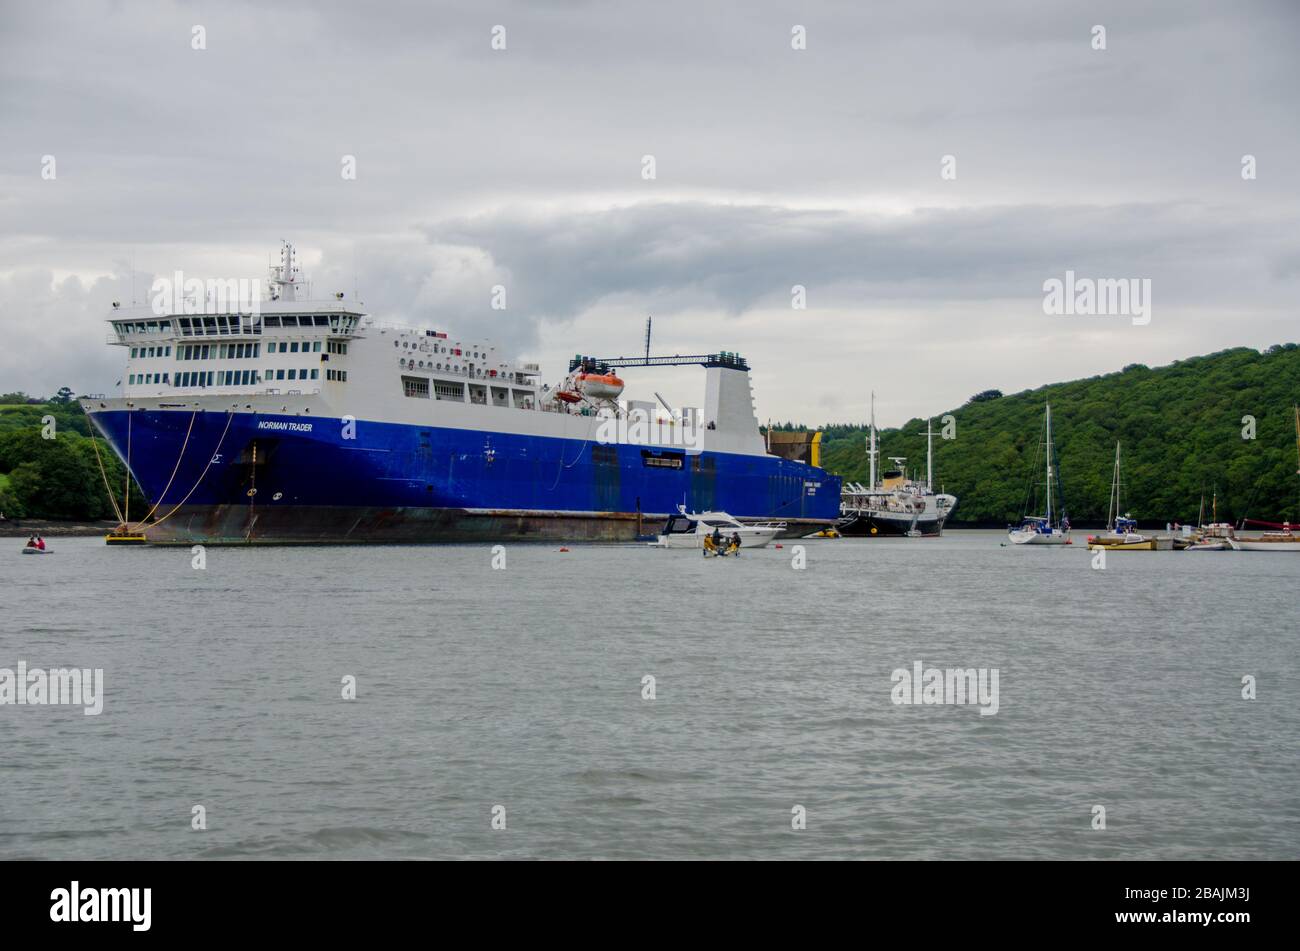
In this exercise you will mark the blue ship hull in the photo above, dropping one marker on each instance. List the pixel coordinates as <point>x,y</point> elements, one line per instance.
<point>253,477</point>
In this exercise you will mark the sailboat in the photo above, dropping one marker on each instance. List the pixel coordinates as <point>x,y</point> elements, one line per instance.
<point>1043,529</point>
<point>1121,530</point>
<point>1216,536</point>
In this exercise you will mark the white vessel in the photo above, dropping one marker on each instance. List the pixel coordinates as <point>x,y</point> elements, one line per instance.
<point>894,504</point>
<point>1042,529</point>
<point>689,531</point>
<point>1121,530</point>
<point>1284,540</point>
<point>297,420</point>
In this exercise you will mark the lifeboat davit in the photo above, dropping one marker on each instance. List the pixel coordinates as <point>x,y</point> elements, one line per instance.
<point>599,386</point>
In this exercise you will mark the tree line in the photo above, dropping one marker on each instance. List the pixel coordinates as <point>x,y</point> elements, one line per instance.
<point>47,464</point>
<point>1222,423</point>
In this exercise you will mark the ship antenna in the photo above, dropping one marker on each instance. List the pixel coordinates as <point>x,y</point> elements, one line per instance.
<point>929,455</point>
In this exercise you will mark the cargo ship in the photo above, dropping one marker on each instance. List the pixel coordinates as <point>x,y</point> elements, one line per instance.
<point>306,421</point>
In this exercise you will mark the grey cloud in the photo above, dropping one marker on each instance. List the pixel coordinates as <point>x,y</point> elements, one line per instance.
<point>776,167</point>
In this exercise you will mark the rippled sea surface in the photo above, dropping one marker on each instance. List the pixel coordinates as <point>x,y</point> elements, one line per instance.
<point>522,688</point>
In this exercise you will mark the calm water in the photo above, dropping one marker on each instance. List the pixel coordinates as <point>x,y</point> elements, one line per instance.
<point>522,688</point>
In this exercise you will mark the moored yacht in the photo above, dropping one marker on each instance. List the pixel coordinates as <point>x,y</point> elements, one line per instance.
<point>690,530</point>
<point>1121,530</point>
<point>1051,528</point>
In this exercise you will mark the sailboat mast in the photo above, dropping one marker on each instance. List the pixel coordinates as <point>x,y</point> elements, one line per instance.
<point>1049,463</point>
<point>1114,494</point>
<point>1297,435</point>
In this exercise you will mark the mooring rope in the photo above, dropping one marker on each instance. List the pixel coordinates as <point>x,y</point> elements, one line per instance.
<point>215,452</point>
<point>111,499</point>
<point>583,448</point>
<point>126,492</point>
<point>174,471</point>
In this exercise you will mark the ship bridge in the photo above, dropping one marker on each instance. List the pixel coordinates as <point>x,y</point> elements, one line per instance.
<point>221,337</point>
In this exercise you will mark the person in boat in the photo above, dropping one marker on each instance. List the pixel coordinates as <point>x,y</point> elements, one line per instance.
<point>31,541</point>
<point>735,542</point>
<point>717,537</point>
<point>709,545</point>
<point>40,543</point>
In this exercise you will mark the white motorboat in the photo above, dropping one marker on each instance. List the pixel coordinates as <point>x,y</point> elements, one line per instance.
<point>689,531</point>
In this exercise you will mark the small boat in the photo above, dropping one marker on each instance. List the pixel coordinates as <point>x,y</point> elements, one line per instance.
<point>689,531</point>
<point>125,538</point>
<point>1216,536</point>
<point>1285,540</point>
<point>32,550</point>
<point>1042,529</point>
<point>1123,537</point>
<point>1121,530</point>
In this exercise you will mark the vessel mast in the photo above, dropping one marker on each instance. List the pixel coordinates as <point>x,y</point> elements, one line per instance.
<point>871,450</point>
<point>929,455</point>
<point>1049,463</point>
<point>1297,435</point>
<point>1113,510</point>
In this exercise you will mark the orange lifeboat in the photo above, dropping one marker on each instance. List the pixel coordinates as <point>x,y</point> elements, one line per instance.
<point>599,386</point>
<point>567,396</point>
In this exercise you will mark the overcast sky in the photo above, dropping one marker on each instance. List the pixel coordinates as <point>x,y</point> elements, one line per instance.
<point>774,167</point>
